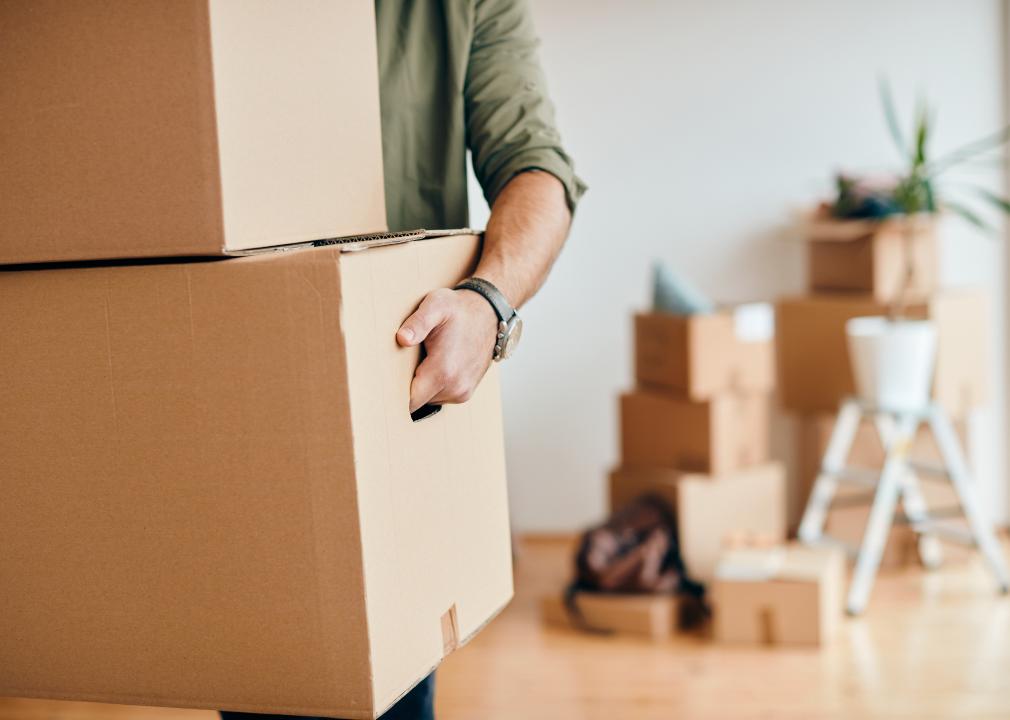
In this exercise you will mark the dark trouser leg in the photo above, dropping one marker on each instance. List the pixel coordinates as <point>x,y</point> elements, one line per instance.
<point>418,704</point>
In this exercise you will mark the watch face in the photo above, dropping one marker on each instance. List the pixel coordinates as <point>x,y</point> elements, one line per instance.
<point>512,338</point>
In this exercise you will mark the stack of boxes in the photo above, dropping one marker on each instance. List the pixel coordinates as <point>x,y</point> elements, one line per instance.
<point>214,493</point>
<point>695,431</point>
<point>856,269</point>
<point>696,428</point>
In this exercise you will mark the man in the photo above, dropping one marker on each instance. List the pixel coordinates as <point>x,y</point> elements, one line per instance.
<point>458,75</point>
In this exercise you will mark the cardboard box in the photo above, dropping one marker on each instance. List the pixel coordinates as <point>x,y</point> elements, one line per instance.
<point>711,510</point>
<point>214,495</point>
<point>870,257</point>
<point>652,616</point>
<point>700,356</point>
<point>714,436</point>
<point>627,484</point>
<point>783,596</point>
<point>186,127</point>
<point>812,354</point>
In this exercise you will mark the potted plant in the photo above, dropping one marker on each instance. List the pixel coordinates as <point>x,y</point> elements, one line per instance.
<point>893,355</point>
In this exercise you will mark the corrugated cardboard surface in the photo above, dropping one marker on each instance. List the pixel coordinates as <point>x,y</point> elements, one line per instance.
<point>299,134</point>
<point>875,263</point>
<point>813,358</point>
<point>712,508</point>
<point>126,126</point>
<point>652,616</point>
<point>716,436</point>
<point>628,483</point>
<point>434,510</point>
<point>193,516</point>
<point>800,605</point>
<point>699,356</point>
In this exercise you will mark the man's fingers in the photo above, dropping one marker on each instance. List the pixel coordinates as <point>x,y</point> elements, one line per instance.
<point>429,315</point>
<point>427,383</point>
<point>434,383</point>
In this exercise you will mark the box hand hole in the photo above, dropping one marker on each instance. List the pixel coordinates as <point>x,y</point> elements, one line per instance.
<point>425,411</point>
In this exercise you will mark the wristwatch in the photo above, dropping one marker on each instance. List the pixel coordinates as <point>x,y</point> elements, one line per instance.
<point>510,325</point>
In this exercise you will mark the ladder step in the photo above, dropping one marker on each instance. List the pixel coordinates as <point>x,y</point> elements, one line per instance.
<point>930,471</point>
<point>860,500</point>
<point>830,541</point>
<point>945,531</point>
<point>851,475</point>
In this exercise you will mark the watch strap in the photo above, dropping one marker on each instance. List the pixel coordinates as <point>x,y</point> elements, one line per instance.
<point>490,293</point>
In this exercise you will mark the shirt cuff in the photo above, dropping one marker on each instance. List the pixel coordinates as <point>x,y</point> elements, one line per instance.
<point>546,159</point>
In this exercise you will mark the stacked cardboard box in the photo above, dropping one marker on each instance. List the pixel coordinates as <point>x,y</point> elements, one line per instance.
<point>695,428</point>
<point>778,596</point>
<point>856,269</point>
<point>214,493</point>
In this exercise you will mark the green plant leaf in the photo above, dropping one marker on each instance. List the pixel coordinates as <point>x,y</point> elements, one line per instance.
<point>994,199</point>
<point>891,116</point>
<point>968,214</point>
<point>969,150</point>
<point>922,125</point>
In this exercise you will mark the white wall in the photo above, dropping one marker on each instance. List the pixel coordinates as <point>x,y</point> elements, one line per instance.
<point>700,127</point>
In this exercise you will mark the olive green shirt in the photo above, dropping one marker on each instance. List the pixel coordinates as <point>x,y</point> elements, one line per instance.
<point>457,75</point>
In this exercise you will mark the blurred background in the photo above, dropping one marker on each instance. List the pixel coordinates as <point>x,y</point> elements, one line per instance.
<point>702,130</point>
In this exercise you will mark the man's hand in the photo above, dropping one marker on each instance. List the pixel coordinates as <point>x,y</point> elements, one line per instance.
<point>458,329</point>
<point>528,225</point>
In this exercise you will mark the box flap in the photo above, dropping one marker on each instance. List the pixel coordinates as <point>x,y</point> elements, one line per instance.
<point>355,243</point>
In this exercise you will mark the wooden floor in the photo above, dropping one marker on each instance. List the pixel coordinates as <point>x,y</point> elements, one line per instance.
<point>931,646</point>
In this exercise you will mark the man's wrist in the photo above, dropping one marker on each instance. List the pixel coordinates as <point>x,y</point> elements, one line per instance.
<point>509,324</point>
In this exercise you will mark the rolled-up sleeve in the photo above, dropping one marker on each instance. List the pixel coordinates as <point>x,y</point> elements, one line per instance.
<point>510,123</point>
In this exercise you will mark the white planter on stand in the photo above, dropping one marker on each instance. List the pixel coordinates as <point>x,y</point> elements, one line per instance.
<point>892,361</point>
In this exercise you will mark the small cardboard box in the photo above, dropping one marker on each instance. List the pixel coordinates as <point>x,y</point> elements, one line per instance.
<point>699,356</point>
<point>780,596</point>
<point>812,354</point>
<point>870,257</point>
<point>214,494</point>
<point>714,436</point>
<point>627,484</point>
<point>652,616</point>
<point>186,127</point>
<point>711,510</point>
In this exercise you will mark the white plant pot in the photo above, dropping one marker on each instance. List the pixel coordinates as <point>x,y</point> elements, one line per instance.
<point>892,360</point>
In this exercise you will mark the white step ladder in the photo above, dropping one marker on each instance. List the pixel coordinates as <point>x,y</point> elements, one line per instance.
<point>898,479</point>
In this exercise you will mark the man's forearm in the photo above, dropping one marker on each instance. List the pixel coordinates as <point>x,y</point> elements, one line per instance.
<point>528,226</point>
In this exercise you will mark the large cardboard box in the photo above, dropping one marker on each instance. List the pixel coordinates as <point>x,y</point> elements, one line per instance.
<point>715,436</point>
<point>782,596</point>
<point>813,358</point>
<point>870,257</point>
<point>652,616</point>
<point>712,510</point>
<point>214,494</point>
<point>186,127</point>
<point>700,356</point>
